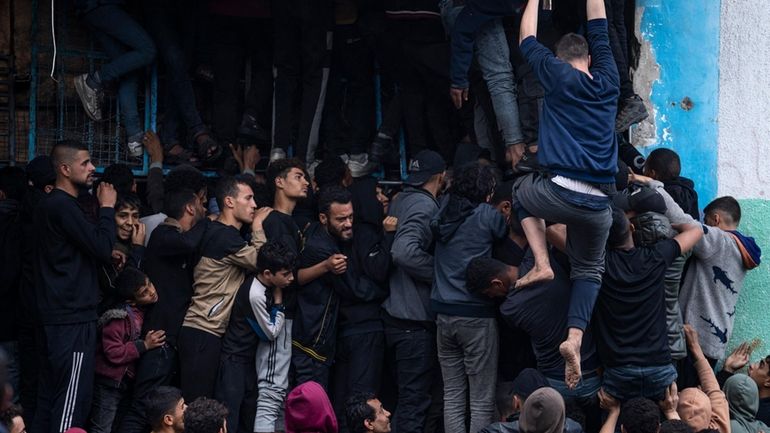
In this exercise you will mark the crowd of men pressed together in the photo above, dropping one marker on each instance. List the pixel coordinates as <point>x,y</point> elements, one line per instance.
<point>527,280</point>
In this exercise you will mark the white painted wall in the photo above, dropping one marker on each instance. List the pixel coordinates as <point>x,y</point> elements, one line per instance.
<point>744,100</point>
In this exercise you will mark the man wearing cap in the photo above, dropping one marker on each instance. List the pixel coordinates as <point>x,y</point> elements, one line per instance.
<point>409,329</point>
<point>630,313</point>
<point>527,383</point>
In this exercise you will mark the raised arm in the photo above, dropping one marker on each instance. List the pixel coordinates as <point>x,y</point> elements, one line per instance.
<point>529,19</point>
<point>595,10</point>
<point>689,235</point>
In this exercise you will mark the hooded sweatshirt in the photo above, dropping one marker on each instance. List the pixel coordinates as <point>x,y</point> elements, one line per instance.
<point>682,190</point>
<point>743,397</point>
<point>462,231</point>
<point>308,410</point>
<point>543,412</point>
<point>713,281</point>
<point>706,407</point>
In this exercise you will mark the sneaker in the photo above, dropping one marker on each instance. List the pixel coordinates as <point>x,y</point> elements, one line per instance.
<point>135,147</point>
<point>90,96</point>
<point>359,165</point>
<point>250,128</point>
<point>277,153</point>
<point>382,147</point>
<point>528,163</point>
<point>632,111</point>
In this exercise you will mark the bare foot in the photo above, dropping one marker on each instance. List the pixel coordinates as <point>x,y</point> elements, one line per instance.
<point>538,274</point>
<point>571,355</point>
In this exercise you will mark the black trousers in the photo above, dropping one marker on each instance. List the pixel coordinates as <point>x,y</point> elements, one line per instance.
<point>67,377</point>
<point>412,355</point>
<point>348,117</point>
<point>616,22</point>
<point>155,368</point>
<point>302,46</point>
<point>357,368</point>
<point>236,388</point>
<point>29,361</point>
<point>236,40</point>
<point>304,368</point>
<point>199,353</point>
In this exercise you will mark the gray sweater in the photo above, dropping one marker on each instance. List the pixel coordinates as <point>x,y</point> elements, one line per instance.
<point>713,281</point>
<point>412,274</point>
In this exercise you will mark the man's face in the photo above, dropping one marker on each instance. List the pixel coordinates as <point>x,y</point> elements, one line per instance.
<point>280,279</point>
<point>80,170</point>
<point>146,294</point>
<point>760,372</point>
<point>339,222</point>
<point>381,423</point>
<point>178,417</point>
<point>243,204</point>
<point>126,219</point>
<point>294,185</point>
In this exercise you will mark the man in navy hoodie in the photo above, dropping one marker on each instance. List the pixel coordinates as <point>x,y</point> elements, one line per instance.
<point>70,250</point>
<point>578,148</point>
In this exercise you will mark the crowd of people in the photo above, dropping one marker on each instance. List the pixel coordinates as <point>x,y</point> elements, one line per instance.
<point>550,288</point>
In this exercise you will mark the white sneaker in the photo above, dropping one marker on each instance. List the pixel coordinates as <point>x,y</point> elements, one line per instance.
<point>359,165</point>
<point>277,153</point>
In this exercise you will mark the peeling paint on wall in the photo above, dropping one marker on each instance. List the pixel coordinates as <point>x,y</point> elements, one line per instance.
<point>679,77</point>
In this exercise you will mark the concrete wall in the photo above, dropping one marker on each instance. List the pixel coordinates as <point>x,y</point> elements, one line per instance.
<point>705,70</point>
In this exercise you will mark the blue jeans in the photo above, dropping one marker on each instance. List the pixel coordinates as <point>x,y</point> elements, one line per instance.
<point>107,397</point>
<point>493,57</point>
<point>586,389</point>
<point>160,19</point>
<point>130,49</point>
<point>632,381</point>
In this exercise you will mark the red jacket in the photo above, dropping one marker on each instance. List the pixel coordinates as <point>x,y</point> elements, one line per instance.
<point>120,345</point>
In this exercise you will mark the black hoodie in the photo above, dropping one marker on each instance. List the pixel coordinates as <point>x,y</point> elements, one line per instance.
<point>682,190</point>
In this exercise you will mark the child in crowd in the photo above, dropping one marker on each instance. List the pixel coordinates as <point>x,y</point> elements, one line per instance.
<point>120,346</point>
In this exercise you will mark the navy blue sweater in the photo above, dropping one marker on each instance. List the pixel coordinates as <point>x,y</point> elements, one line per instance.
<point>577,127</point>
<point>69,251</point>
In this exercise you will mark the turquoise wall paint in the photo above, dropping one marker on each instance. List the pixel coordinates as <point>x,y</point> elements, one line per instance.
<point>753,309</point>
<point>684,36</point>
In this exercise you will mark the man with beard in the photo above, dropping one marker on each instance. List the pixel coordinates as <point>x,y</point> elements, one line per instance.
<point>322,265</point>
<point>69,251</point>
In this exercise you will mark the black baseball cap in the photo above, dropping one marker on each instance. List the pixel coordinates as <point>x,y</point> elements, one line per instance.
<point>528,381</point>
<point>40,171</point>
<point>424,165</point>
<point>640,199</point>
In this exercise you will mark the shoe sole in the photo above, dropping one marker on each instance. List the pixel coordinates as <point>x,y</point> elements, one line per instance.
<point>633,120</point>
<point>81,88</point>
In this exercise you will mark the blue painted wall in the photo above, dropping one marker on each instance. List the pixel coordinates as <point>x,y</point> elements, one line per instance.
<point>685,40</point>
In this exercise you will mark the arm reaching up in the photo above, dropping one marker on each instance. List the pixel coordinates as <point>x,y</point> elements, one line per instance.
<point>529,19</point>
<point>595,10</point>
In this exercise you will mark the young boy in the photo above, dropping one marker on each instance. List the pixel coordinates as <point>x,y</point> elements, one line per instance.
<point>256,322</point>
<point>664,166</point>
<point>165,410</point>
<point>120,347</point>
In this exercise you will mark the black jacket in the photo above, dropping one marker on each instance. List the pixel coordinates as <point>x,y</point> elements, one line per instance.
<point>10,272</point>
<point>682,190</point>
<point>169,262</point>
<point>70,250</point>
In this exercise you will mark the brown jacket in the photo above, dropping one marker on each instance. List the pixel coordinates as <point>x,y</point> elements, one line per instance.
<point>224,260</point>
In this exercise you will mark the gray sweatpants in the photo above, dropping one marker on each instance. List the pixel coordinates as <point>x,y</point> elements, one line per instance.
<point>467,352</point>
<point>273,361</point>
